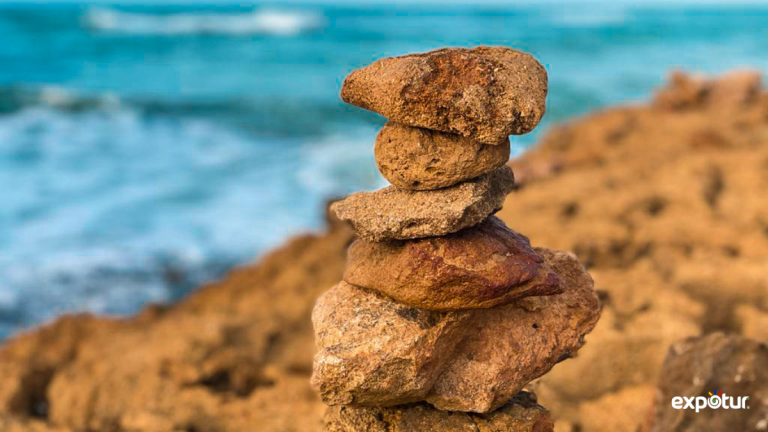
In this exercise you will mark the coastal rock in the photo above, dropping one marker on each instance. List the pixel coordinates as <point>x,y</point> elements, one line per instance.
<point>521,414</point>
<point>484,93</point>
<point>514,344</point>
<point>479,267</point>
<point>753,322</point>
<point>733,365</point>
<point>373,351</point>
<point>629,409</point>
<point>421,159</point>
<point>736,89</point>
<point>392,213</point>
<point>622,167</point>
<point>682,91</point>
<point>733,90</point>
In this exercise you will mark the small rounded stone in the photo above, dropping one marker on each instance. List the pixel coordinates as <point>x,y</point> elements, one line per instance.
<point>422,159</point>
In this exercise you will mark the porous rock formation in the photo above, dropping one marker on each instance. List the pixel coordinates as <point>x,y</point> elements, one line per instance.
<point>404,214</point>
<point>422,159</point>
<point>520,414</point>
<point>664,204</point>
<point>484,93</point>
<point>731,368</point>
<point>441,302</point>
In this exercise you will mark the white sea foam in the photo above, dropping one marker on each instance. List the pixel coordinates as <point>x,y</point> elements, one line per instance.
<point>102,209</point>
<point>259,21</point>
<point>331,165</point>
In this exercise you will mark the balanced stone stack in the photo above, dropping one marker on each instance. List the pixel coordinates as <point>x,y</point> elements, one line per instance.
<point>445,312</point>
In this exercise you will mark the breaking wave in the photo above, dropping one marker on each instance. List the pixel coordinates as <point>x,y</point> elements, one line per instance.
<point>261,21</point>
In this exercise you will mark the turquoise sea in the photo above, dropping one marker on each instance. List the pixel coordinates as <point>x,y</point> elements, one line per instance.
<point>146,150</point>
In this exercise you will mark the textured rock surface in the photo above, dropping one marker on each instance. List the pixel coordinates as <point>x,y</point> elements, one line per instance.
<point>730,91</point>
<point>497,351</point>
<point>734,365</point>
<point>217,361</point>
<point>511,345</point>
<point>485,93</point>
<point>635,195</point>
<point>479,267</point>
<point>369,345</point>
<point>392,213</point>
<point>521,414</point>
<point>620,411</point>
<point>421,159</point>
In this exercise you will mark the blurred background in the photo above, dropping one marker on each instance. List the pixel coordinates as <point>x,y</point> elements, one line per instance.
<point>145,150</point>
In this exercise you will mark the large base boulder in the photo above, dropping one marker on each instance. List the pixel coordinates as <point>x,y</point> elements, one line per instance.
<point>373,351</point>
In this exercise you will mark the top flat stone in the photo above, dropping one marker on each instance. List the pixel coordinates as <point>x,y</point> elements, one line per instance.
<point>485,93</point>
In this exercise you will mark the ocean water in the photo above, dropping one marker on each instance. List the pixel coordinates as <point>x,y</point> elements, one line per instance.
<point>146,150</point>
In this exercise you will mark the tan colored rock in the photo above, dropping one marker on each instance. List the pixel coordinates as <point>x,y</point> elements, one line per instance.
<point>521,414</point>
<point>682,91</point>
<point>753,322</point>
<point>422,159</point>
<point>392,213</point>
<point>514,344</point>
<point>628,410</point>
<point>733,90</point>
<point>736,89</point>
<point>629,167</point>
<point>479,267</point>
<point>373,351</point>
<point>484,93</point>
<point>733,365</point>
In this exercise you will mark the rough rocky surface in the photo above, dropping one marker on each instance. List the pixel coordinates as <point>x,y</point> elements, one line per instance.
<point>421,159</point>
<point>521,414</point>
<point>511,345</point>
<point>368,345</point>
<point>219,361</point>
<point>479,267</point>
<point>373,351</point>
<point>734,89</point>
<point>392,213</point>
<point>666,207</point>
<point>733,365</point>
<point>484,93</point>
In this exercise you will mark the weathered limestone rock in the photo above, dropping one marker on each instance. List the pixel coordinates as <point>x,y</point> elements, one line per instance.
<point>392,213</point>
<point>521,414</point>
<point>479,267</point>
<point>733,90</point>
<point>733,365</point>
<point>509,346</point>
<point>421,159</point>
<point>484,93</point>
<point>373,351</point>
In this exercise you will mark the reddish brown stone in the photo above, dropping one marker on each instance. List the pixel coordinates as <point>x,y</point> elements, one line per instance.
<point>479,267</point>
<point>509,346</point>
<point>373,351</point>
<point>486,93</point>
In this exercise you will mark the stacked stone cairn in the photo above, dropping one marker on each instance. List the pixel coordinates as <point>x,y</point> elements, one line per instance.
<point>444,313</point>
